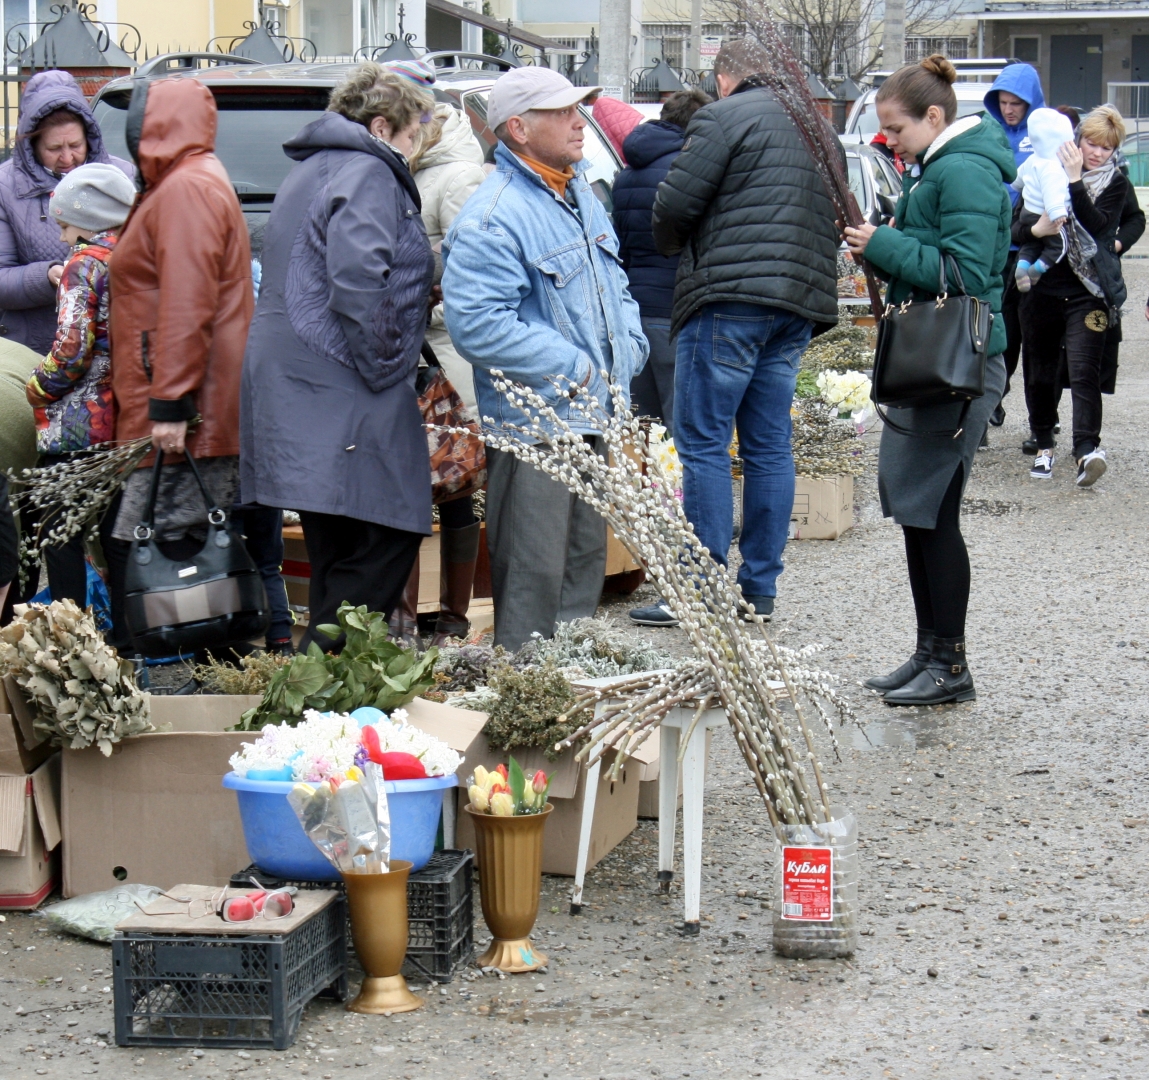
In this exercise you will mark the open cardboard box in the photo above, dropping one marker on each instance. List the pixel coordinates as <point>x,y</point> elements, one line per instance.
<point>29,807</point>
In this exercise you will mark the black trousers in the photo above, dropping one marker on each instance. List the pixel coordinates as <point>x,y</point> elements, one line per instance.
<point>353,560</point>
<point>939,568</point>
<point>1081,319</point>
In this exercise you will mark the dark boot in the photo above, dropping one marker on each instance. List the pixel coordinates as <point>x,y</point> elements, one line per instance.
<point>458,554</point>
<point>946,678</point>
<point>404,622</point>
<point>913,666</point>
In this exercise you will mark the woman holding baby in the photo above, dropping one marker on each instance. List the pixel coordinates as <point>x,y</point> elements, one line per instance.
<point>1077,297</point>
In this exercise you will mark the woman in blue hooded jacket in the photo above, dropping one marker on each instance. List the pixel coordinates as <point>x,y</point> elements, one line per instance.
<point>56,133</point>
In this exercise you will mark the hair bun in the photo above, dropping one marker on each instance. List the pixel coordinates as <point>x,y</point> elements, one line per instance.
<point>941,67</point>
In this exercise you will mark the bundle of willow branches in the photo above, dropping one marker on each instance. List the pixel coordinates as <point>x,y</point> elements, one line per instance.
<point>736,658</point>
<point>67,497</point>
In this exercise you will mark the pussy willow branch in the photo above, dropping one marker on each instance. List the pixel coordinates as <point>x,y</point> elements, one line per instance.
<point>628,487</point>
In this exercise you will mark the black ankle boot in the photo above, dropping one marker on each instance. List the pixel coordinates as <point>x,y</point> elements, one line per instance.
<point>946,678</point>
<point>914,665</point>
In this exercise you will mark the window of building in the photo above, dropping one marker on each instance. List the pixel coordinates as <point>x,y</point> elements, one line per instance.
<point>918,48</point>
<point>1027,49</point>
<point>671,41</point>
<point>330,25</point>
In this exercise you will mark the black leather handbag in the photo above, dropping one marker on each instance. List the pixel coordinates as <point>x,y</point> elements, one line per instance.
<point>932,352</point>
<point>174,607</point>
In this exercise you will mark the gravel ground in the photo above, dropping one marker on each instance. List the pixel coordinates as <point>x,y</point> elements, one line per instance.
<point>1002,850</point>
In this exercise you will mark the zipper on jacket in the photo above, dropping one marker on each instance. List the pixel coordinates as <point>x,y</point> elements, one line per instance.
<point>144,355</point>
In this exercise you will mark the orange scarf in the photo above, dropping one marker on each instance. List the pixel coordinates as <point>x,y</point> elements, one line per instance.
<point>553,178</point>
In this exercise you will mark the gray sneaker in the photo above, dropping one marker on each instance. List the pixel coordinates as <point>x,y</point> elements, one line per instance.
<point>1091,468</point>
<point>658,614</point>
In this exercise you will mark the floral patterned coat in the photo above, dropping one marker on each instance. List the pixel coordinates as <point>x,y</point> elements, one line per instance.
<point>71,391</point>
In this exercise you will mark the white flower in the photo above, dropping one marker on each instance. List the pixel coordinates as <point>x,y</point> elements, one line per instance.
<point>847,391</point>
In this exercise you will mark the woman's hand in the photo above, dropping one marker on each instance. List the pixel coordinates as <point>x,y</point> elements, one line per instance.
<point>169,437</point>
<point>1071,160</point>
<point>1044,227</point>
<point>858,238</point>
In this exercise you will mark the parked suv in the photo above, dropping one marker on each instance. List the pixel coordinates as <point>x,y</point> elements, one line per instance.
<point>261,106</point>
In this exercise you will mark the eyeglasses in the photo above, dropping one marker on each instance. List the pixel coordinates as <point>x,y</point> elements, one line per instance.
<point>263,903</point>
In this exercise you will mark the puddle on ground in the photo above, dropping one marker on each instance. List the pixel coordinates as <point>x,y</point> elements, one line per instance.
<point>910,728</point>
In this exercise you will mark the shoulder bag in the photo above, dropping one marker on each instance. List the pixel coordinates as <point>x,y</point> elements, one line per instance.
<point>176,606</point>
<point>458,457</point>
<point>932,352</point>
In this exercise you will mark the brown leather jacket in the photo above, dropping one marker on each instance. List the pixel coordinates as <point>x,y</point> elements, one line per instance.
<point>180,276</point>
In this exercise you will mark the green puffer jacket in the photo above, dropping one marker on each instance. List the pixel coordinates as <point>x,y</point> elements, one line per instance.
<point>958,206</point>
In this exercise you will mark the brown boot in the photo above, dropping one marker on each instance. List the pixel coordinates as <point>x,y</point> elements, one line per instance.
<point>458,553</point>
<point>404,622</point>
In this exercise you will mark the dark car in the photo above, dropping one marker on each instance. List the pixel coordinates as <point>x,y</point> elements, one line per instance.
<point>261,106</point>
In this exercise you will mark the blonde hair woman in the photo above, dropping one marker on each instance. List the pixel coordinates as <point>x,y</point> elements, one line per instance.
<point>1079,299</point>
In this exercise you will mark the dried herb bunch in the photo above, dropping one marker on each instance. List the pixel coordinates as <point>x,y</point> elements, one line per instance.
<point>530,708</point>
<point>823,445</point>
<point>68,496</point>
<point>81,690</point>
<point>252,675</point>
<point>628,487</point>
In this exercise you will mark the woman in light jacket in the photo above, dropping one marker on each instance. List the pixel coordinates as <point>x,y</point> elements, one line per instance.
<point>330,423</point>
<point>448,165</point>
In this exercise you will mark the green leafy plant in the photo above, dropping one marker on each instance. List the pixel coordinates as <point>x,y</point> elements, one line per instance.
<point>253,674</point>
<point>370,670</point>
<point>528,708</point>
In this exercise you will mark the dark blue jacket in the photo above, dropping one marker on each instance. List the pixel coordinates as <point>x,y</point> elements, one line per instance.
<point>1022,81</point>
<point>649,149</point>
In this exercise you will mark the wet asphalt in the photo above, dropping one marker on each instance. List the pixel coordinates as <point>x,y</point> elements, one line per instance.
<point>1003,863</point>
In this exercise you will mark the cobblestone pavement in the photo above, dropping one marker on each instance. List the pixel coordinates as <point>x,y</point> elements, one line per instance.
<point>1004,910</point>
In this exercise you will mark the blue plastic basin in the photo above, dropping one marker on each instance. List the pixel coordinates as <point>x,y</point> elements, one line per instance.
<point>277,843</point>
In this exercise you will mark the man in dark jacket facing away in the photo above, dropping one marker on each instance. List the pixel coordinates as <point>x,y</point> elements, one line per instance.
<point>649,150</point>
<point>746,207</point>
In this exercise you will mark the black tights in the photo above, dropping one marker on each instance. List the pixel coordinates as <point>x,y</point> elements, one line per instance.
<point>939,568</point>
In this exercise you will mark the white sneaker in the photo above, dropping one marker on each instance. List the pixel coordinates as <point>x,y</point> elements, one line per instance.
<point>1042,465</point>
<point>1091,468</point>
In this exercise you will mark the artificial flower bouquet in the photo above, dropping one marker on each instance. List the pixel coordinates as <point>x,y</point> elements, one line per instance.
<point>506,792</point>
<point>327,745</point>
<point>346,816</point>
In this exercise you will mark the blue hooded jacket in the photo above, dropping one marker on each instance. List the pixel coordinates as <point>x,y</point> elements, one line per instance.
<point>1022,81</point>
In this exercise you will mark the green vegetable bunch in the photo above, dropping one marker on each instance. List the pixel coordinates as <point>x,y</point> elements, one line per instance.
<point>370,670</point>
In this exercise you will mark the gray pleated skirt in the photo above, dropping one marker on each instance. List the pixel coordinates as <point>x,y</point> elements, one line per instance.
<point>914,472</point>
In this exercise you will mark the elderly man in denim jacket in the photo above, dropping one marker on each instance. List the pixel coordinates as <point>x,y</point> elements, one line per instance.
<point>533,286</point>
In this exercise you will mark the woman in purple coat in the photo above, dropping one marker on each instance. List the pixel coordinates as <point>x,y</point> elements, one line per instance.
<point>56,133</point>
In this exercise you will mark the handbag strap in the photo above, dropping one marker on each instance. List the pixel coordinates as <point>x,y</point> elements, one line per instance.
<point>428,354</point>
<point>953,432</point>
<point>145,529</point>
<point>955,274</point>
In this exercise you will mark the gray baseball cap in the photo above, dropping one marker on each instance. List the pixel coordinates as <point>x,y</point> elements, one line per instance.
<point>525,88</point>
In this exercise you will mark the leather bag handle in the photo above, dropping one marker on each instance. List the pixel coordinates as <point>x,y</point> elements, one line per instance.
<point>145,529</point>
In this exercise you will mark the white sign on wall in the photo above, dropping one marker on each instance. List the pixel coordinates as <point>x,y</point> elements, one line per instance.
<point>708,50</point>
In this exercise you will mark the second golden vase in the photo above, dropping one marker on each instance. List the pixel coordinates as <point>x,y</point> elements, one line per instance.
<point>510,858</point>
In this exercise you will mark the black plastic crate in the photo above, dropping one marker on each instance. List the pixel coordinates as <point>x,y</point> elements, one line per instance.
<point>440,911</point>
<point>440,915</point>
<point>226,990</point>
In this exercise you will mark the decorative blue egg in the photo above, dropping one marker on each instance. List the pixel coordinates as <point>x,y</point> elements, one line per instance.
<point>281,773</point>
<point>366,715</point>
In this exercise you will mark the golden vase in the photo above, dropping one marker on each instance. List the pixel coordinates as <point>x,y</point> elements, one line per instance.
<point>509,852</point>
<point>378,906</point>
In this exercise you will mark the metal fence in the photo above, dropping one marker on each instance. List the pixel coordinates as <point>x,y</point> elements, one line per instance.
<point>1131,99</point>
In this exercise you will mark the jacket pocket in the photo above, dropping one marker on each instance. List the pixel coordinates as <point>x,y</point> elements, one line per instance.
<point>145,354</point>
<point>565,274</point>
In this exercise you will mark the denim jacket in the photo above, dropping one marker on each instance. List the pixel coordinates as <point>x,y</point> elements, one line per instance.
<point>536,290</point>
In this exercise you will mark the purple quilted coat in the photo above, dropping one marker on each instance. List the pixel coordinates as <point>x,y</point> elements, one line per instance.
<point>29,242</point>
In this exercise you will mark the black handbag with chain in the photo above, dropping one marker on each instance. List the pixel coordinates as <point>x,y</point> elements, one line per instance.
<point>932,352</point>
<point>176,606</point>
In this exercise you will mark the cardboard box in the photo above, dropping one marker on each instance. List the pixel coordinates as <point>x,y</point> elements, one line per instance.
<point>22,751</point>
<point>29,836</point>
<point>155,812</point>
<point>823,509</point>
<point>649,755</point>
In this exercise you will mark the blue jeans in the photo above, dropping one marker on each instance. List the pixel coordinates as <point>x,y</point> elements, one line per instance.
<point>736,365</point>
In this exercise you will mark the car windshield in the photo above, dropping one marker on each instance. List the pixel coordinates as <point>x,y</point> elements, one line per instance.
<point>249,140</point>
<point>867,121</point>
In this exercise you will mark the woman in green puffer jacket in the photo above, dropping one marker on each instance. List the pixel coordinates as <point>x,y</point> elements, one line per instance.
<point>954,204</point>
